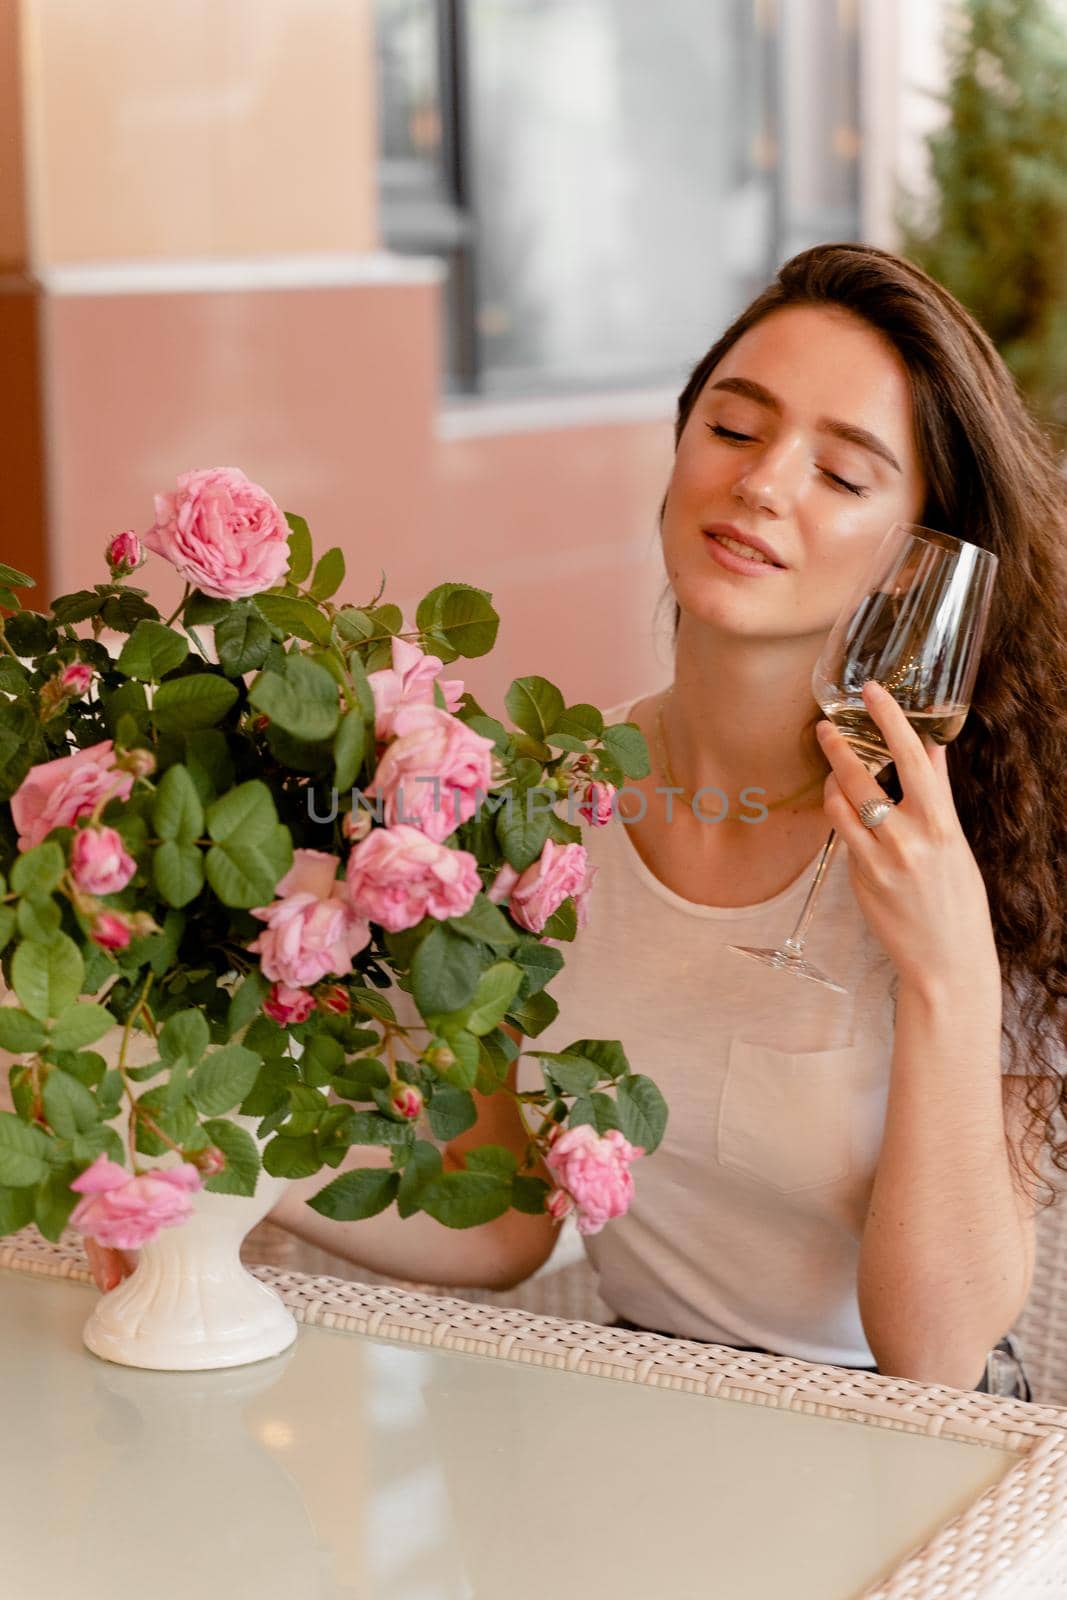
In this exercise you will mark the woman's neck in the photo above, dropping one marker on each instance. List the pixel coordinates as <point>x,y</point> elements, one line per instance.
<point>737,714</point>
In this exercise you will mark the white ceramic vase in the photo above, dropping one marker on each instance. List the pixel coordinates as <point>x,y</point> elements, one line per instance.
<point>191,1303</point>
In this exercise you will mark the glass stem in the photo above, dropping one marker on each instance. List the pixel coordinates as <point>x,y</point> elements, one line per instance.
<point>794,945</point>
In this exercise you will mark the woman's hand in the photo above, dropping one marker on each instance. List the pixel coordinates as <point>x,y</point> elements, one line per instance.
<point>109,1266</point>
<point>915,876</point>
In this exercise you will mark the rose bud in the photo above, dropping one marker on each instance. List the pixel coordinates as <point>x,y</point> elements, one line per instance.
<point>260,723</point>
<point>142,763</point>
<point>76,678</point>
<point>406,1099</point>
<point>208,1161</point>
<point>111,931</point>
<point>142,925</point>
<point>125,554</point>
<point>440,1057</point>
<point>335,999</point>
<point>356,824</point>
<point>99,861</point>
<point>285,1005</point>
<point>559,1204</point>
<point>498,772</point>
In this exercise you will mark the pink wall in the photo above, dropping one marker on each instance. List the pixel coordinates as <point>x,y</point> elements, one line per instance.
<point>329,397</point>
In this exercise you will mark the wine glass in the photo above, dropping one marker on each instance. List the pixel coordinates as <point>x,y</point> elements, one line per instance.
<point>915,623</point>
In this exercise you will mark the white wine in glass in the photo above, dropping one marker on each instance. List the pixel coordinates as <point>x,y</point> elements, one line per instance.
<point>915,624</point>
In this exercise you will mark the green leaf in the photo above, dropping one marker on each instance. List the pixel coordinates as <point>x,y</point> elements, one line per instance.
<point>451,1112</point>
<point>23,1152</point>
<point>247,1002</point>
<point>539,962</point>
<point>271,1088</point>
<point>329,575</point>
<point>205,609</point>
<point>466,1199</point>
<point>598,1110</point>
<point>224,1078</point>
<point>299,548</point>
<point>492,1158</point>
<point>68,1105</point>
<point>101,1140</point>
<point>463,1072</point>
<point>178,1122</point>
<point>209,762</point>
<point>38,871</point>
<point>77,607</point>
<point>47,978</point>
<point>242,641</point>
<point>485,923</point>
<point>444,971</point>
<point>304,702</point>
<point>16,1209</point>
<point>288,615</point>
<point>522,839</point>
<point>80,1025</point>
<point>16,579</point>
<point>357,1080</point>
<point>19,1032</point>
<point>291,1158</point>
<point>534,705</point>
<point>497,988</point>
<point>198,701</point>
<point>242,1159</point>
<point>570,1074</point>
<point>348,747</point>
<point>39,920</point>
<point>607,1055</point>
<point>642,1111</point>
<point>151,651</point>
<point>184,1034</point>
<point>55,1200</point>
<point>459,621</point>
<point>421,1167</point>
<point>244,873</point>
<point>626,743</point>
<point>369,1127</point>
<point>529,1194</point>
<point>178,871</point>
<point>533,1015</point>
<point>7,924</point>
<point>323,1056</point>
<point>563,923</point>
<point>176,809</point>
<point>358,1194</point>
<point>353,625</point>
<point>582,721</point>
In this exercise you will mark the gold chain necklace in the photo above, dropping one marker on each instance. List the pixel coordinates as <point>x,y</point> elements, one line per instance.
<point>672,782</point>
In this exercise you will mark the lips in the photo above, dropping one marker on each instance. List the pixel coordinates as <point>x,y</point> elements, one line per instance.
<point>751,541</point>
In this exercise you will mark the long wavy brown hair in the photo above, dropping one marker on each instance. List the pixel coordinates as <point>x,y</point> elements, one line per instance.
<point>993,479</point>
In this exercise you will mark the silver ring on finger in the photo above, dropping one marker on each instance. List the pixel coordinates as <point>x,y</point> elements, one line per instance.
<point>874,811</point>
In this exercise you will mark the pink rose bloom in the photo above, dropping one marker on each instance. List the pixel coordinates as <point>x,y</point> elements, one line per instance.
<point>100,862</point>
<point>76,678</point>
<point>596,803</point>
<point>432,744</point>
<point>125,1212</point>
<point>284,1005</point>
<point>560,871</point>
<point>595,1172</point>
<point>409,682</point>
<point>397,876</point>
<point>56,793</point>
<point>124,554</point>
<point>224,533</point>
<point>111,931</point>
<point>312,928</point>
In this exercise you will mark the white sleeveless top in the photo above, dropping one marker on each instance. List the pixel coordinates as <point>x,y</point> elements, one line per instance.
<point>746,1222</point>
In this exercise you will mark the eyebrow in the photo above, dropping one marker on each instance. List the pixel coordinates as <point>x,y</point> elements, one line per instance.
<point>750,390</point>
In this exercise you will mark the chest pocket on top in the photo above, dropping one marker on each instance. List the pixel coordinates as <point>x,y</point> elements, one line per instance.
<point>785,1117</point>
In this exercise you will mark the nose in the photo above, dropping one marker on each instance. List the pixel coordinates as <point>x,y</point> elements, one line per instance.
<point>770,479</point>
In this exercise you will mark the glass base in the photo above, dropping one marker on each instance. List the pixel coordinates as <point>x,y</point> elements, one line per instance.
<point>785,962</point>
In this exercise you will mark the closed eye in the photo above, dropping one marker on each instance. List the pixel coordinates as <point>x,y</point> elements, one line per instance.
<point>734,437</point>
<point>727,433</point>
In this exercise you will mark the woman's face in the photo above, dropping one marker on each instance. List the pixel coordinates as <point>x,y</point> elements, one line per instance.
<point>801,438</point>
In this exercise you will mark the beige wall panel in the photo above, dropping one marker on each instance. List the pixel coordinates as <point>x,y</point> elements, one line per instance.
<point>192,128</point>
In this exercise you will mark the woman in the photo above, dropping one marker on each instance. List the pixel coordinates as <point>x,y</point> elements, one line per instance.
<point>845,1178</point>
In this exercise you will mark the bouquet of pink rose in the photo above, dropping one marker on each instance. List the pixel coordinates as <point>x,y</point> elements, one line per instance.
<point>231,836</point>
